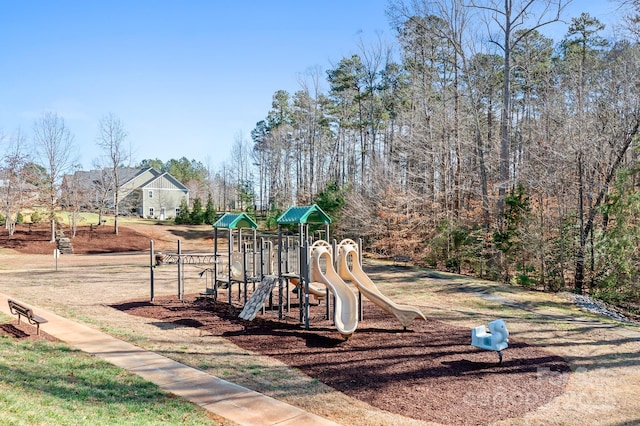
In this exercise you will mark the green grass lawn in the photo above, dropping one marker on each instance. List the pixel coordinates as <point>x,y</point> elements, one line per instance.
<point>87,218</point>
<point>49,383</point>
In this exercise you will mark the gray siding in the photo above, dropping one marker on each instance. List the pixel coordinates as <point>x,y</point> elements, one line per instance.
<point>164,196</point>
<point>157,199</point>
<point>137,181</point>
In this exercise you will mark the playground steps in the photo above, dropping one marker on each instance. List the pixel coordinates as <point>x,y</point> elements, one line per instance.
<point>255,302</point>
<point>63,243</point>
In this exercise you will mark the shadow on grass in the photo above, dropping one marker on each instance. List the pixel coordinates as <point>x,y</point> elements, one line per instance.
<point>83,387</point>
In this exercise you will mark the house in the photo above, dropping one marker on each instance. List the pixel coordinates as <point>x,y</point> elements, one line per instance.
<point>153,194</point>
<point>145,192</point>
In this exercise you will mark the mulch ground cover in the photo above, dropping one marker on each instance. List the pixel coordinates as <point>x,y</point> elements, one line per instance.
<point>429,372</point>
<point>36,239</point>
<point>23,331</point>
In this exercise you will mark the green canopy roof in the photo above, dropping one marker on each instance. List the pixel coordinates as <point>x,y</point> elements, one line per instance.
<point>235,220</point>
<point>303,214</point>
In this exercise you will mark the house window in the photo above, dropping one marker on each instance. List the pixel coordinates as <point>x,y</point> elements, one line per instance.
<point>150,194</point>
<point>177,211</point>
<point>151,212</point>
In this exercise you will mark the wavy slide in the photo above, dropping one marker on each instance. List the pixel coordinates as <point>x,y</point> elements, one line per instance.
<point>404,313</point>
<point>345,310</point>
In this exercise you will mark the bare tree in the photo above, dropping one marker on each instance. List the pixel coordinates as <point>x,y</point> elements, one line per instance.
<point>13,187</point>
<point>241,157</point>
<point>111,138</point>
<point>515,20</point>
<point>75,194</point>
<point>100,188</point>
<point>54,146</point>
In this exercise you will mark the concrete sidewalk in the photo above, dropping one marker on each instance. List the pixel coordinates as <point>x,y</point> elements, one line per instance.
<point>236,403</point>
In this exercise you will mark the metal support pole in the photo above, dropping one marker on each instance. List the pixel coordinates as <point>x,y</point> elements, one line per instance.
<point>359,260</point>
<point>215,257</point>
<point>280,272</point>
<point>304,270</point>
<point>253,257</point>
<point>229,265</point>
<point>151,267</point>
<point>244,269</point>
<point>180,285</point>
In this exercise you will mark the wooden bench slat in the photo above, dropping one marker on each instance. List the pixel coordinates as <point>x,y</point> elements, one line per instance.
<point>39,319</point>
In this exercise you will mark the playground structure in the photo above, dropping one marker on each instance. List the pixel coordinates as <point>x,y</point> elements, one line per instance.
<point>180,259</point>
<point>244,263</point>
<point>276,263</point>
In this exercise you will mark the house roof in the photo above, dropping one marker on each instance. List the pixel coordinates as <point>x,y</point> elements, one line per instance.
<point>167,176</point>
<point>125,174</point>
<point>88,178</point>
<point>303,214</point>
<point>23,186</point>
<point>235,220</point>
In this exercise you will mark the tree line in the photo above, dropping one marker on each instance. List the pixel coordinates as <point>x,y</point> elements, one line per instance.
<point>471,142</point>
<point>474,143</point>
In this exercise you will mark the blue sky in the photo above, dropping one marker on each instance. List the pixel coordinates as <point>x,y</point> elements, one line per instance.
<point>186,78</point>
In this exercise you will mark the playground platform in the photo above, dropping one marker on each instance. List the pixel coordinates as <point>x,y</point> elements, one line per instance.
<point>235,403</point>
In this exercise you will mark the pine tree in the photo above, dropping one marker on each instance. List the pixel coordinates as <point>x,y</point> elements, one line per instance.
<point>197,215</point>
<point>210,213</point>
<point>183,216</point>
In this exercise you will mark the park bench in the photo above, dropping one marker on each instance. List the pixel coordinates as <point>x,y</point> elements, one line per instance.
<point>401,258</point>
<point>24,311</point>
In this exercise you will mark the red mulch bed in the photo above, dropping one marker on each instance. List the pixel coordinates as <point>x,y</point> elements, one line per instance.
<point>36,239</point>
<point>24,331</point>
<point>430,372</point>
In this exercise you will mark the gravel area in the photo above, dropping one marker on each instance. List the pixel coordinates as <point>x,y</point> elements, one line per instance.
<point>595,306</point>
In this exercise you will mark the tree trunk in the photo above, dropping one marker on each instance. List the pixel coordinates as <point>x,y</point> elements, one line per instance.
<point>505,123</point>
<point>587,227</point>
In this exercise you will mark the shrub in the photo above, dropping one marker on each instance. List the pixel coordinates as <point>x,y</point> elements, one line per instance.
<point>183,217</point>
<point>197,214</point>
<point>36,217</point>
<point>272,218</point>
<point>210,213</point>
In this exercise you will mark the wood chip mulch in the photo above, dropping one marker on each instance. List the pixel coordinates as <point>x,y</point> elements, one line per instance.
<point>24,331</point>
<point>429,372</point>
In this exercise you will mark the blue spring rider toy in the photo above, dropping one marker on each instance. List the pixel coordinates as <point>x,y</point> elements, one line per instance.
<point>496,339</point>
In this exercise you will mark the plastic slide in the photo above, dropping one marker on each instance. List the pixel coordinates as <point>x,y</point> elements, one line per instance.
<point>345,310</point>
<point>315,288</point>
<point>355,274</point>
